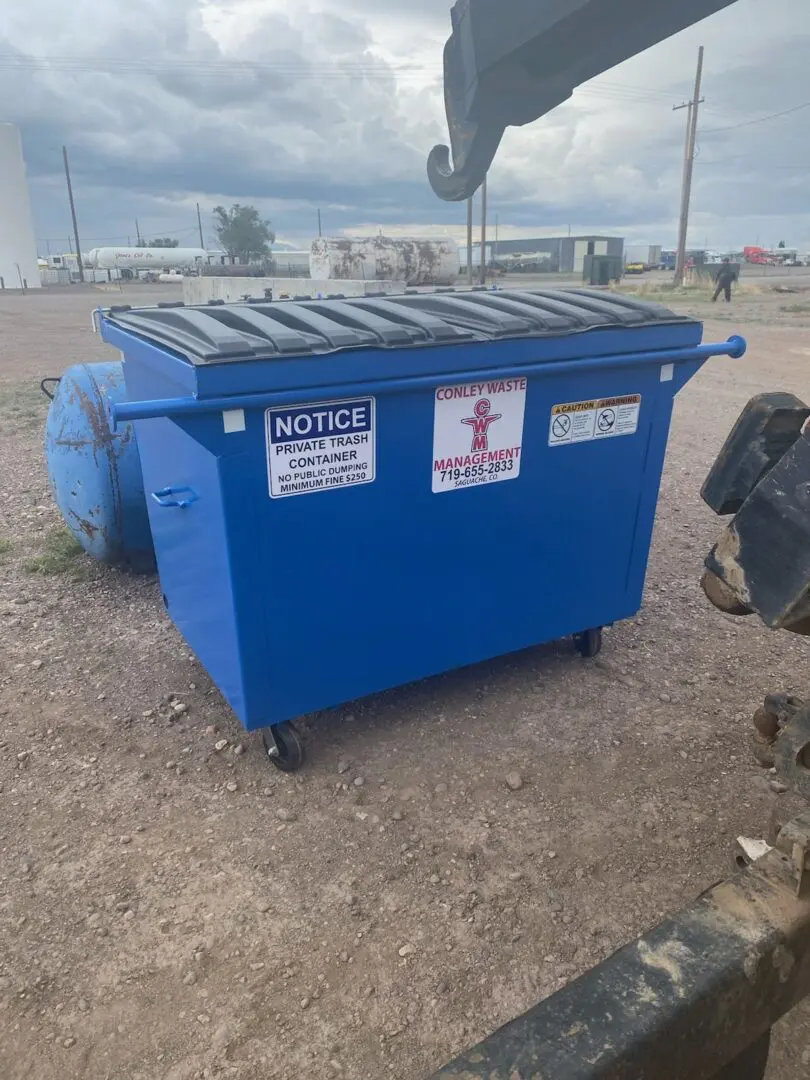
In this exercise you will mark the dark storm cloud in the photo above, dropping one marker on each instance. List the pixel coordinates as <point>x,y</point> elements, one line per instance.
<point>176,81</point>
<point>281,116</point>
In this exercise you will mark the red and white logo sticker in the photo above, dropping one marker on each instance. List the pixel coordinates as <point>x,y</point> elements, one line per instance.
<point>478,433</point>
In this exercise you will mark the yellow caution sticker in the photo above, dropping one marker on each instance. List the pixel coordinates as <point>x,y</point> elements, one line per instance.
<point>600,418</point>
<point>574,406</point>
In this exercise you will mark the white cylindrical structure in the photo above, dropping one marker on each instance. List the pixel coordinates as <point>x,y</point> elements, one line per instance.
<point>411,260</point>
<point>147,258</point>
<point>18,248</point>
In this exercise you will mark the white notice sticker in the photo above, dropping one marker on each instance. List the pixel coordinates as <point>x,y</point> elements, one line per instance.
<point>600,418</point>
<point>477,433</point>
<point>320,447</point>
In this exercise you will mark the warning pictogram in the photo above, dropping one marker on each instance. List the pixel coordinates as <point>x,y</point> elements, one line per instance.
<point>571,423</point>
<point>605,419</point>
<point>561,426</point>
<point>583,421</point>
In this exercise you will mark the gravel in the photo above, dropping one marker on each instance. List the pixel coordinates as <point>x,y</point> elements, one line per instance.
<point>643,795</point>
<point>514,781</point>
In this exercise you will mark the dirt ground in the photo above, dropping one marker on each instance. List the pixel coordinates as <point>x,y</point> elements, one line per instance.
<point>172,911</point>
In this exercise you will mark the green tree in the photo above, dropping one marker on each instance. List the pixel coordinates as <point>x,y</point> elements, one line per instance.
<point>161,242</point>
<point>781,243</point>
<point>243,233</point>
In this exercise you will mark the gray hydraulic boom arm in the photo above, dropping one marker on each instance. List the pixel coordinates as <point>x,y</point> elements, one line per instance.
<point>509,62</point>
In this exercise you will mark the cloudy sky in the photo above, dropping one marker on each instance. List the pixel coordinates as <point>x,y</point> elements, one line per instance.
<point>293,105</point>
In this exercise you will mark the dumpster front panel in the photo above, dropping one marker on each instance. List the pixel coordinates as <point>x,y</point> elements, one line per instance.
<point>404,582</point>
<point>414,528</point>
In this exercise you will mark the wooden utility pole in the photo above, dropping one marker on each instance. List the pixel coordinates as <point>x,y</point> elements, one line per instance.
<point>73,214</point>
<point>688,162</point>
<point>469,240</point>
<point>680,249</point>
<point>199,226</point>
<point>319,224</point>
<point>483,278</point>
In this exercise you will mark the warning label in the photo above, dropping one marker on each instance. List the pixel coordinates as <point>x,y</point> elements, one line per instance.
<point>318,447</point>
<point>602,418</point>
<point>477,433</point>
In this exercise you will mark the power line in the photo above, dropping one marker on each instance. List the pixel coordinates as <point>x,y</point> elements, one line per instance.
<point>765,164</point>
<point>168,231</point>
<point>91,62</point>
<point>758,119</point>
<point>368,69</point>
<point>293,70</point>
<point>297,68</point>
<point>639,89</point>
<point>85,63</point>
<point>615,94</point>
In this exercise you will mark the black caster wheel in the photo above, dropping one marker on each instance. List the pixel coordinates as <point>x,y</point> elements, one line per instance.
<point>283,747</point>
<point>589,642</point>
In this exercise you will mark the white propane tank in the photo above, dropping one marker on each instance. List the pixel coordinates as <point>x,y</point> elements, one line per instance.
<point>137,258</point>
<point>411,260</point>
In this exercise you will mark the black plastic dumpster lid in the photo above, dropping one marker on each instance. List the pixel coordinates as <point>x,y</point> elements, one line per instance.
<point>219,333</point>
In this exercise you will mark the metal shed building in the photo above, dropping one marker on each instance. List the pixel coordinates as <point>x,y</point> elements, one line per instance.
<point>567,253</point>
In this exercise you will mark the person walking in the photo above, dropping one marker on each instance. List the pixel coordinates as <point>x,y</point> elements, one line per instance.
<point>726,276</point>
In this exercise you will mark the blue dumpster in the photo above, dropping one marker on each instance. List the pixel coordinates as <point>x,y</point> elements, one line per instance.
<point>348,495</point>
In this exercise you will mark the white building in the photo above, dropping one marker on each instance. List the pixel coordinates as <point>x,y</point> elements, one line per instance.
<point>18,249</point>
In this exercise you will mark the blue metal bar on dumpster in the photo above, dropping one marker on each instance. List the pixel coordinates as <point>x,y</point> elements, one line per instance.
<point>148,410</point>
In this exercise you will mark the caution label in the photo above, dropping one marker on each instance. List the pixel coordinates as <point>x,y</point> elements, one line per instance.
<point>478,433</point>
<point>320,447</point>
<point>601,418</point>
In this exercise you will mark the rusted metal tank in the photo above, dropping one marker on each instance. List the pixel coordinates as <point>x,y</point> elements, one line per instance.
<point>411,260</point>
<point>95,469</point>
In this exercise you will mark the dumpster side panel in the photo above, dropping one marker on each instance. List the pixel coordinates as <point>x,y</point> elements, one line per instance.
<point>193,552</point>
<point>219,610</point>
<point>656,453</point>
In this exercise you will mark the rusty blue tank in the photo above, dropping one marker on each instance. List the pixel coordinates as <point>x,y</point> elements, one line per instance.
<point>95,469</point>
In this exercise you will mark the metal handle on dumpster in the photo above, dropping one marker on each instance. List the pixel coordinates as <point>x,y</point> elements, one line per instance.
<point>168,496</point>
<point>148,410</point>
